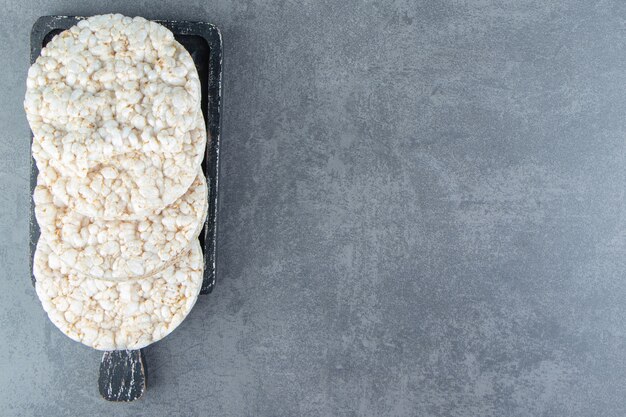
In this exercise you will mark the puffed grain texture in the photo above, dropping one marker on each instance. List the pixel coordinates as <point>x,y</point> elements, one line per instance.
<point>108,86</point>
<point>127,186</point>
<point>121,250</point>
<point>108,315</point>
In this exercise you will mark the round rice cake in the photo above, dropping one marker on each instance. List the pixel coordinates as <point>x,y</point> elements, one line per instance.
<point>121,250</point>
<point>109,315</point>
<point>107,86</point>
<point>127,186</point>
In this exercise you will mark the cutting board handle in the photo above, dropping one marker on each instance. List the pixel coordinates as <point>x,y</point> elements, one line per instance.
<point>123,375</point>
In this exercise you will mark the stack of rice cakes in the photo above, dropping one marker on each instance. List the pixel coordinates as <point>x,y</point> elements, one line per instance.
<point>118,138</point>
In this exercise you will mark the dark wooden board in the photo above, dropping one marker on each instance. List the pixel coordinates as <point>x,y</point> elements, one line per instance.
<point>123,373</point>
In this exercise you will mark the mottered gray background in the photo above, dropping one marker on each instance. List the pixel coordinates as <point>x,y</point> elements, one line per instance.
<point>422,213</point>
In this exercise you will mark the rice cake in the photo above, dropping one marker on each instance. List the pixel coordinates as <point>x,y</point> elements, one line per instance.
<point>107,86</point>
<point>120,250</point>
<point>128,186</point>
<point>109,315</point>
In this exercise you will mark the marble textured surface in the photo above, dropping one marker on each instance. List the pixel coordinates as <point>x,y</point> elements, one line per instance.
<point>422,213</point>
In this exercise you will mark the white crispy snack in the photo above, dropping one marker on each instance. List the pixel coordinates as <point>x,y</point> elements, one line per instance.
<point>131,185</point>
<point>108,315</point>
<point>121,250</point>
<point>108,86</point>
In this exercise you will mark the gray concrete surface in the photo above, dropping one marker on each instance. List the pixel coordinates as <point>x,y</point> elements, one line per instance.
<point>422,213</point>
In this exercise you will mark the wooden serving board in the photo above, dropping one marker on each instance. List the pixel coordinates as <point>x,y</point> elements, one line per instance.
<point>123,374</point>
